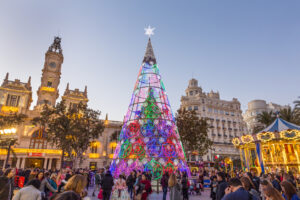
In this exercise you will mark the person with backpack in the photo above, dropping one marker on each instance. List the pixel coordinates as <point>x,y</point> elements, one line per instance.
<point>164,184</point>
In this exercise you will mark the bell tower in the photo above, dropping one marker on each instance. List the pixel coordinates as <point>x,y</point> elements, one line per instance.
<point>48,90</point>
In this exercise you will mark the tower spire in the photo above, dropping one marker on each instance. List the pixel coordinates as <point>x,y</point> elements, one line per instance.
<point>149,54</point>
<point>55,46</point>
<point>85,91</point>
<point>6,77</point>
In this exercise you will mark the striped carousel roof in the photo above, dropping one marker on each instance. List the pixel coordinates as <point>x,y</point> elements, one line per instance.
<point>280,125</point>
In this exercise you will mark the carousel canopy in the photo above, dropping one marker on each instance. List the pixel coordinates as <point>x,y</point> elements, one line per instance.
<point>280,125</point>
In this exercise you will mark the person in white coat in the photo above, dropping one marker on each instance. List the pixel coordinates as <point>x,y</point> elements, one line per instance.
<point>30,191</point>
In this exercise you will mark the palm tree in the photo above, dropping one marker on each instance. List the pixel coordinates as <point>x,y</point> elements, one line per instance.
<point>297,111</point>
<point>297,103</point>
<point>287,114</point>
<point>266,118</point>
<point>257,129</point>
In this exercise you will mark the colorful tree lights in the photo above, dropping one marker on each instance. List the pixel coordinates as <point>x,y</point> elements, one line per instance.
<point>149,140</point>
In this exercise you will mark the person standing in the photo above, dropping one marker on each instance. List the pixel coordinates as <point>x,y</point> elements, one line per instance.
<point>164,184</point>
<point>97,182</point>
<point>30,191</point>
<point>45,185</point>
<point>289,191</point>
<point>7,184</point>
<point>174,188</point>
<point>272,193</point>
<point>120,191</point>
<point>107,184</point>
<point>53,183</point>
<point>246,182</point>
<point>214,185</point>
<point>235,191</point>
<point>222,185</point>
<point>130,182</point>
<point>144,188</point>
<point>185,187</point>
<point>77,184</point>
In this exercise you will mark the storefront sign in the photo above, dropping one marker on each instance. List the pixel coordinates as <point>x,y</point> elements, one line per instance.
<point>36,154</point>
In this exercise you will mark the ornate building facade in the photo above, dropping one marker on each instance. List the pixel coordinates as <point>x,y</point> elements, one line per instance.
<point>256,107</point>
<point>32,149</point>
<point>224,118</point>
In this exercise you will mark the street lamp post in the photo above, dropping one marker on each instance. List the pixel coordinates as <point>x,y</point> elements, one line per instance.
<point>10,135</point>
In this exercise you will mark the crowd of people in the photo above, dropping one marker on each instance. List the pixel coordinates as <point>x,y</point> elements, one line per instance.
<point>247,186</point>
<point>74,185</point>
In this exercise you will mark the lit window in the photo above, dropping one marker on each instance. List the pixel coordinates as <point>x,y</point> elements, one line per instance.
<point>94,149</point>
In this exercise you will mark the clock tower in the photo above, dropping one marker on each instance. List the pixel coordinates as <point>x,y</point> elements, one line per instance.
<point>48,91</point>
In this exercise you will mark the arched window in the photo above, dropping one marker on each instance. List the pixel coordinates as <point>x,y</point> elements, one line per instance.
<point>38,140</point>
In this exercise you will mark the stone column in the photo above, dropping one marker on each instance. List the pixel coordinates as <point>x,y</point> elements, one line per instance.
<point>58,162</point>
<point>3,167</point>
<point>23,163</point>
<point>18,162</point>
<point>50,163</point>
<point>45,163</point>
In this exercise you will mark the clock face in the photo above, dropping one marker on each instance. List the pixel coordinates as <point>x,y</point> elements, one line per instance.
<point>52,65</point>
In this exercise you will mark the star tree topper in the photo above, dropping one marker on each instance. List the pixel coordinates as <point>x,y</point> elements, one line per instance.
<point>149,31</point>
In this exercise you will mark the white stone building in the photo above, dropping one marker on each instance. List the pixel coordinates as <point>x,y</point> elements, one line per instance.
<point>224,117</point>
<point>256,107</point>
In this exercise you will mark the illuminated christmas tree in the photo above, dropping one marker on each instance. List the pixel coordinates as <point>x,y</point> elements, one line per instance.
<point>149,140</point>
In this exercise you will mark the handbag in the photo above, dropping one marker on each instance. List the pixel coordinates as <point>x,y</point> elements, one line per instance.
<point>100,195</point>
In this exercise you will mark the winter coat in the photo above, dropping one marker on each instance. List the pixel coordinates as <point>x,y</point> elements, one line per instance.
<point>45,184</point>
<point>28,192</point>
<point>222,185</point>
<point>164,181</point>
<point>130,181</point>
<point>294,197</point>
<point>6,188</point>
<point>254,193</point>
<point>276,185</point>
<point>175,192</point>
<point>97,179</point>
<point>239,194</point>
<point>107,182</point>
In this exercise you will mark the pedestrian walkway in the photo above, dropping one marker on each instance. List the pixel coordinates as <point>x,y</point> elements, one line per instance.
<point>158,196</point>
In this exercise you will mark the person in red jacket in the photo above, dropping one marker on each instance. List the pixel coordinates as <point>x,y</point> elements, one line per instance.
<point>144,188</point>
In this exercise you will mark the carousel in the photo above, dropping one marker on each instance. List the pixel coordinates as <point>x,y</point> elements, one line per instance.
<point>274,149</point>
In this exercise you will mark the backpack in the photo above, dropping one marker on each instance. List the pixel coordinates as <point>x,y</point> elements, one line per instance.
<point>250,196</point>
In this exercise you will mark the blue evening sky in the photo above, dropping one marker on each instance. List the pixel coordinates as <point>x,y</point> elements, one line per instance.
<point>244,49</point>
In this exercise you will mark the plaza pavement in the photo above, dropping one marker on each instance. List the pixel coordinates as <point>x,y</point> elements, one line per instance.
<point>155,196</point>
